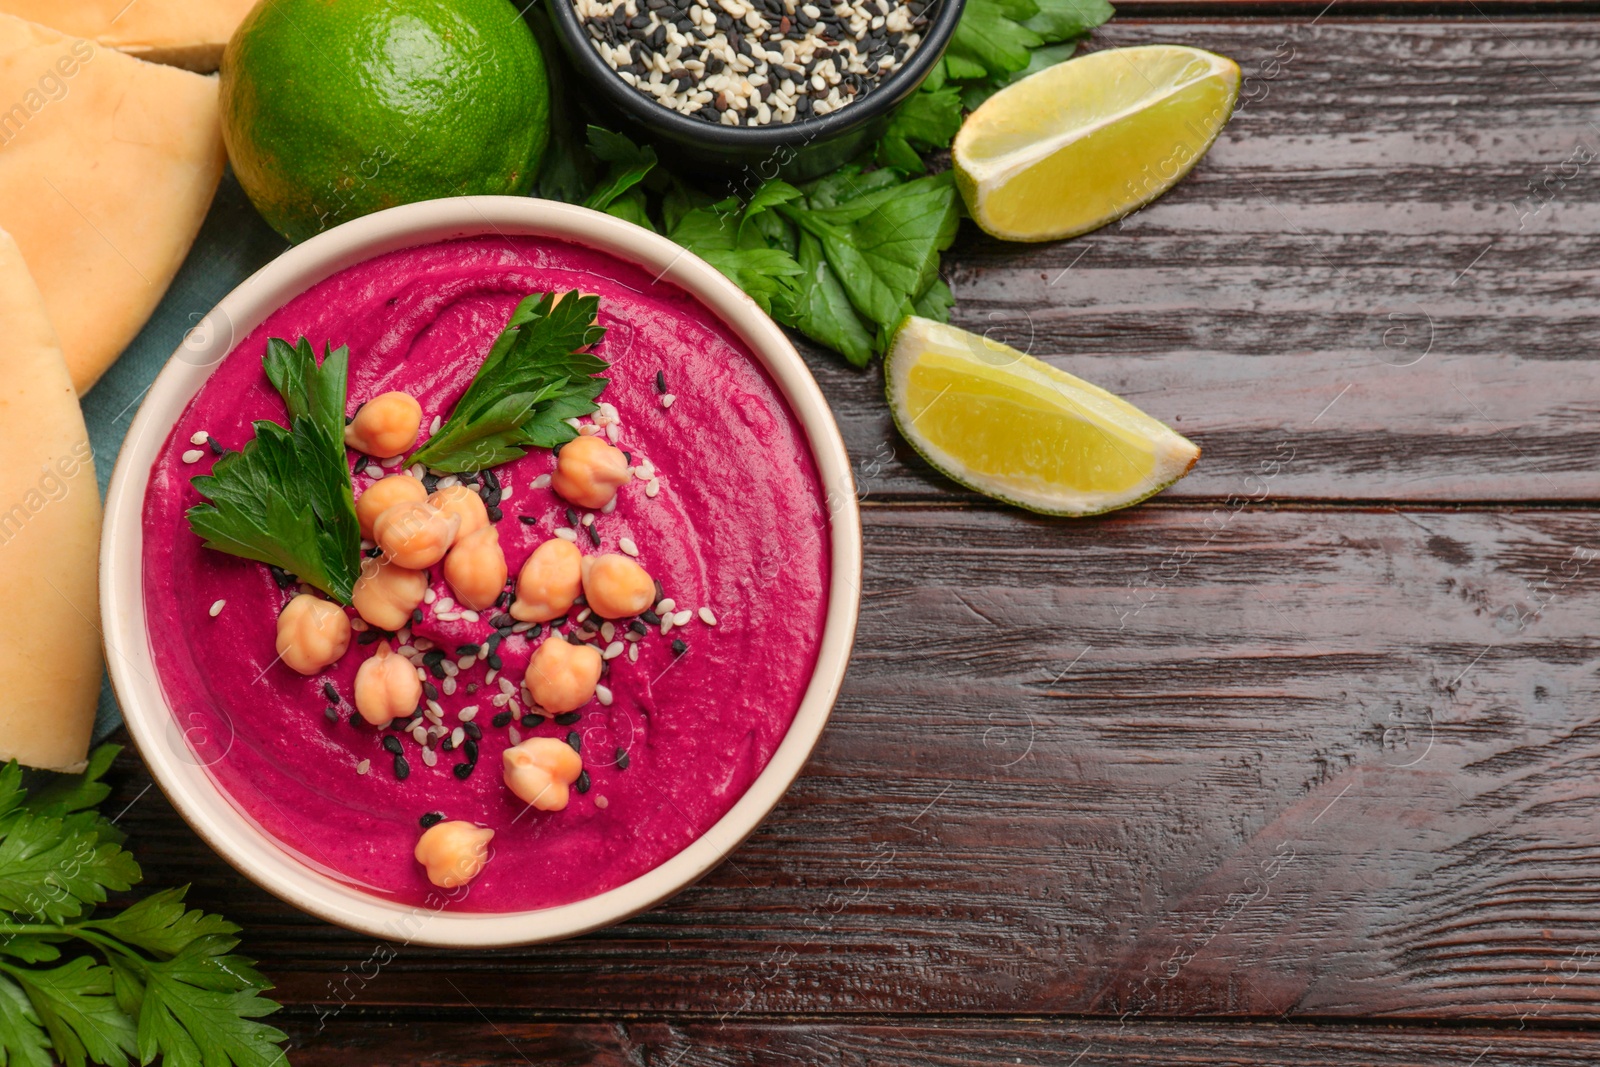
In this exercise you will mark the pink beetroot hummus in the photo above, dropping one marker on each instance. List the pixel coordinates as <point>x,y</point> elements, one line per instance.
<point>738,525</point>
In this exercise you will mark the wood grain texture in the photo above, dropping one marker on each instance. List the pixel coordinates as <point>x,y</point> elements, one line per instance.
<point>922,1042</point>
<point>1175,762</point>
<point>1386,259</point>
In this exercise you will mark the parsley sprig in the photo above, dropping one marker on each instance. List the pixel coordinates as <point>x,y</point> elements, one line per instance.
<point>537,374</point>
<point>78,985</point>
<point>285,498</point>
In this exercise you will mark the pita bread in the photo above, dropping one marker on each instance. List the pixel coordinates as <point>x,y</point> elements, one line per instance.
<point>184,33</point>
<point>49,539</point>
<point>107,167</point>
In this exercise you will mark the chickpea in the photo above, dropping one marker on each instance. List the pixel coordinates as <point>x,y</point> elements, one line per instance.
<point>616,587</point>
<point>549,582</point>
<point>415,534</point>
<point>387,687</point>
<point>385,494</point>
<point>453,852</point>
<point>589,471</point>
<point>312,633</point>
<point>386,593</point>
<point>466,505</point>
<point>562,676</point>
<point>386,425</point>
<point>476,568</point>
<point>539,771</point>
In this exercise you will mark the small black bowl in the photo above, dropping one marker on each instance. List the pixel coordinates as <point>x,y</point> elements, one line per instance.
<point>795,150</point>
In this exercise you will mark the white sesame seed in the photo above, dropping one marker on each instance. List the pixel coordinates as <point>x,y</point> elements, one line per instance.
<point>584,615</point>
<point>507,687</point>
<point>539,482</point>
<point>448,686</point>
<point>198,437</point>
<point>458,735</point>
<point>430,757</point>
<point>602,803</point>
<point>666,625</point>
<point>627,545</point>
<point>364,766</point>
<point>450,669</point>
<point>588,519</point>
<point>566,534</point>
<point>613,432</point>
<point>433,427</point>
<point>373,471</point>
<point>216,607</point>
<point>433,706</point>
<point>358,624</point>
<point>707,617</point>
<point>417,471</point>
<point>466,661</point>
<point>614,649</point>
<point>444,603</point>
<point>608,630</point>
<point>652,487</point>
<point>419,734</point>
<point>682,618</point>
<point>392,461</point>
<point>505,492</point>
<point>448,481</point>
<point>469,616</point>
<point>500,700</point>
<point>193,455</point>
<point>422,674</point>
<point>468,713</point>
<point>521,627</point>
<point>633,653</point>
<point>668,398</point>
<point>423,644</point>
<point>489,678</point>
<point>429,596</point>
<point>666,605</point>
<point>602,694</point>
<point>608,507</point>
<point>448,616</point>
<point>514,734</point>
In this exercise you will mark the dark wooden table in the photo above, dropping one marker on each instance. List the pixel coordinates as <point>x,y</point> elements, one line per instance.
<point>1298,763</point>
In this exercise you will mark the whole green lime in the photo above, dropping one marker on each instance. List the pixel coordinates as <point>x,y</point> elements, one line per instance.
<point>333,109</point>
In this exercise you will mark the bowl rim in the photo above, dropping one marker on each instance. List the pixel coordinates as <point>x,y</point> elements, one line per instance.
<point>900,84</point>
<point>191,789</point>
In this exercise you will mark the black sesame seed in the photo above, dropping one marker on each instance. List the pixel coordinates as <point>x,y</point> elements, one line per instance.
<point>622,759</point>
<point>501,720</point>
<point>650,617</point>
<point>355,718</point>
<point>491,479</point>
<point>331,713</point>
<point>446,745</point>
<point>575,740</point>
<point>572,517</point>
<point>661,593</point>
<point>530,720</point>
<point>536,629</point>
<point>431,819</point>
<point>367,637</point>
<point>494,642</point>
<point>569,718</point>
<point>495,514</point>
<point>494,661</point>
<point>527,520</point>
<point>639,22</point>
<point>432,656</point>
<point>431,689</point>
<point>555,450</point>
<point>463,771</point>
<point>466,650</point>
<point>215,445</point>
<point>470,747</point>
<point>502,622</point>
<point>430,482</point>
<point>473,730</point>
<point>402,769</point>
<point>638,627</point>
<point>594,535</point>
<point>281,576</point>
<point>574,639</point>
<point>582,784</point>
<point>373,553</point>
<point>391,744</point>
<point>438,671</point>
<point>678,647</point>
<point>416,616</point>
<point>330,692</point>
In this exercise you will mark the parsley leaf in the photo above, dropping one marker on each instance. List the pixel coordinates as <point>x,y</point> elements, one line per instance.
<point>628,166</point>
<point>1061,20</point>
<point>927,120</point>
<point>823,311</point>
<point>991,35</point>
<point>169,985</point>
<point>198,1010</point>
<point>536,375</point>
<point>731,240</point>
<point>285,498</point>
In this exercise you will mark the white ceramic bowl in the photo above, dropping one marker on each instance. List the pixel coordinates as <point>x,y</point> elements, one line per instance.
<point>172,762</point>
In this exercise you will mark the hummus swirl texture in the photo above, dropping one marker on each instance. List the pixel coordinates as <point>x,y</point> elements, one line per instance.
<point>739,525</point>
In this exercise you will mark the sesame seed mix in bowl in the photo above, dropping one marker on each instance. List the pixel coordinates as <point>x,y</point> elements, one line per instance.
<point>752,64</point>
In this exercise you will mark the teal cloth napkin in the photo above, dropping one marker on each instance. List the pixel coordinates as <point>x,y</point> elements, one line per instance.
<point>234,242</point>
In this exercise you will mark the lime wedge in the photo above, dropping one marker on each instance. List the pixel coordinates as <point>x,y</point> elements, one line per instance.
<point>1020,430</point>
<point>1084,142</point>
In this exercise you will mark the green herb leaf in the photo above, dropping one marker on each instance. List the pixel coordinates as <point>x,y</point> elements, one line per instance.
<point>22,1039</point>
<point>161,924</point>
<point>976,93</point>
<point>823,311</point>
<point>76,1006</point>
<point>884,246</point>
<point>537,373</point>
<point>66,793</point>
<point>928,120</point>
<point>52,872</point>
<point>935,302</point>
<point>1061,20</point>
<point>628,166</point>
<point>264,505</point>
<point>991,35</point>
<point>199,1009</point>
